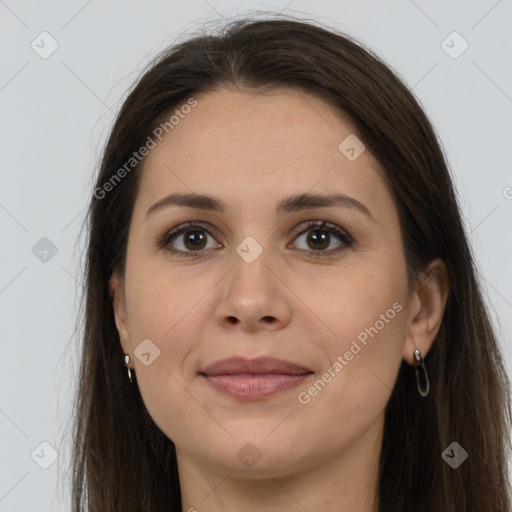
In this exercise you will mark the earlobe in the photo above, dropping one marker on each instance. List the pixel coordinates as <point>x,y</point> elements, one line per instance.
<point>117,293</point>
<point>426,312</point>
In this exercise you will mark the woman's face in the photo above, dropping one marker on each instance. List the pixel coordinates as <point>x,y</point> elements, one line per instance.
<point>256,281</point>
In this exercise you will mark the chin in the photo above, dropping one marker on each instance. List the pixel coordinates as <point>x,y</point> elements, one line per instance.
<point>256,453</point>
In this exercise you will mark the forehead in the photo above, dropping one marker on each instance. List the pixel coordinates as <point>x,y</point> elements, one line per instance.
<point>262,145</point>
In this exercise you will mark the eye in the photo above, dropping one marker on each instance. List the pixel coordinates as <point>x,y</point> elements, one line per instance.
<point>192,237</point>
<point>319,238</point>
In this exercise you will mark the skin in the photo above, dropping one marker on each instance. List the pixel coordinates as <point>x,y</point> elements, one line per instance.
<point>251,151</point>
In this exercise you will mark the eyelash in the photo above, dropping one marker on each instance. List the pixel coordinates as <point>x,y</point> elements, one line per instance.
<point>163,241</point>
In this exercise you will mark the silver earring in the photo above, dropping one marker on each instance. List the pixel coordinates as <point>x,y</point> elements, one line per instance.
<point>421,364</point>
<point>126,361</point>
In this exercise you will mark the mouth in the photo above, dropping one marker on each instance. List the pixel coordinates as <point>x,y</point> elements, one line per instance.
<point>255,379</point>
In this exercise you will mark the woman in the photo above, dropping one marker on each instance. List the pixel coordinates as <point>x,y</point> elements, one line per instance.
<point>282,309</point>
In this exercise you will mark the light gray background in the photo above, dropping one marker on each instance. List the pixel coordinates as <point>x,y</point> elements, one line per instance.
<point>55,113</point>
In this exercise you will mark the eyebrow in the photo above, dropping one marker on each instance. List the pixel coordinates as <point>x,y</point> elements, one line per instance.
<point>290,204</point>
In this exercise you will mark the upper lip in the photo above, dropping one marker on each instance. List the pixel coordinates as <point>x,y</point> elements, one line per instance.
<point>259,366</point>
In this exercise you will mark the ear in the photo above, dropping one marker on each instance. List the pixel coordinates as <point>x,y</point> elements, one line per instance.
<point>426,311</point>
<point>117,292</point>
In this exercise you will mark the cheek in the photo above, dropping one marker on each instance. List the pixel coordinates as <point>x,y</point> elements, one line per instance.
<point>363,317</point>
<point>161,313</point>
<point>169,308</point>
<point>363,301</point>
<point>161,302</point>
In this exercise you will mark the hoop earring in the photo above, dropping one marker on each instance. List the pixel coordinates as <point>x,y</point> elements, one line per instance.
<point>421,364</point>
<point>126,361</point>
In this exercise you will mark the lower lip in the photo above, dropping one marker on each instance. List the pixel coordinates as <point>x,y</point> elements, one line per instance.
<point>254,387</point>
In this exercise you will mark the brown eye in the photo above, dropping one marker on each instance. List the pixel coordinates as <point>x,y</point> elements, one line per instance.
<point>318,240</point>
<point>322,236</point>
<point>194,240</point>
<point>186,240</point>
<point>191,239</point>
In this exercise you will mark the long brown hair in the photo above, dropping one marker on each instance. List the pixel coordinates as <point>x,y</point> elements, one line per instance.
<point>121,460</point>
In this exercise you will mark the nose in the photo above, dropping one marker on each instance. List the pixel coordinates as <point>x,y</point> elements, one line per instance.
<point>254,296</point>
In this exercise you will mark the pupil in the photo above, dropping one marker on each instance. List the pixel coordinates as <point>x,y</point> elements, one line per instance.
<point>318,239</point>
<point>196,237</point>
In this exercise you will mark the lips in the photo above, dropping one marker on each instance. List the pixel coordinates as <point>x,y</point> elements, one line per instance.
<point>260,366</point>
<point>254,379</point>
